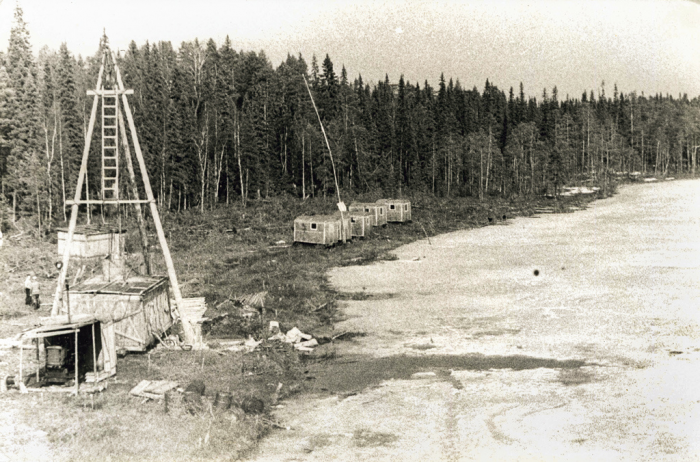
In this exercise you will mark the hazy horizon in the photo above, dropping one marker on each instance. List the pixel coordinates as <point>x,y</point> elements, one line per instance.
<point>647,46</point>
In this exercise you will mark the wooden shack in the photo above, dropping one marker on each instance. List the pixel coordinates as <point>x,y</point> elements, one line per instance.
<point>92,241</point>
<point>377,211</point>
<point>321,229</point>
<point>360,223</point>
<point>139,307</point>
<point>76,349</point>
<point>397,210</point>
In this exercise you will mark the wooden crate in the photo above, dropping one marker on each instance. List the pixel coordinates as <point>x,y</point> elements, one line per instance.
<point>92,241</point>
<point>397,210</point>
<point>378,211</point>
<point>139,308</point>
<point>360,223</point>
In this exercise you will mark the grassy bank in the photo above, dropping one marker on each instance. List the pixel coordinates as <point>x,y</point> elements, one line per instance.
<point>223,254</point>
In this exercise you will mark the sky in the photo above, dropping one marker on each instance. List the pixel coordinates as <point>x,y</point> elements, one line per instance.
<point>649,46</point>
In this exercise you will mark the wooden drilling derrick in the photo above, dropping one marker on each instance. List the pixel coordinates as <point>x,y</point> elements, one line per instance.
<point>110,92</point>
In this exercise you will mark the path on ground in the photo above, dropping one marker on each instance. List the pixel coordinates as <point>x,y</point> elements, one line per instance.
<point>595,358</point>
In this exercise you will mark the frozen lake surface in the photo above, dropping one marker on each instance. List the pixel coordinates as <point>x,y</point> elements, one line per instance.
<point>596,356</point>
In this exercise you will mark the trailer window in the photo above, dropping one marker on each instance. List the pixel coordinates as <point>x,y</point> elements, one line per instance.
<point>392,206</point>
<point>381,211</point>
<point>313,225</point>
<point>405,207</point>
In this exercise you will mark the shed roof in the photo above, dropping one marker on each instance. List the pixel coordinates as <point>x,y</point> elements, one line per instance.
<point>393,201</point>
<point>318,218</point>
<point>93,229</point>
<point>366,204</point>
<point>137,285</point>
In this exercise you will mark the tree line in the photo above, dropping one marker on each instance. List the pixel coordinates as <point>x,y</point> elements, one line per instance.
<point>218,126</point>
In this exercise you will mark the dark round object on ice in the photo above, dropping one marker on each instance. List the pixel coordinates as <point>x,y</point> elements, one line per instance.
<point>252,405</point>
<point>196,387</point>
<point>536,272</point>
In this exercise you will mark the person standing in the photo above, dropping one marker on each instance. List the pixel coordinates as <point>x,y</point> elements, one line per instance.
<point>35,293</point>
<point>28,290</point>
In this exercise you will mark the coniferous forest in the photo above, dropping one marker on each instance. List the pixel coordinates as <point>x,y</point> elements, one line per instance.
<point>220,126</point>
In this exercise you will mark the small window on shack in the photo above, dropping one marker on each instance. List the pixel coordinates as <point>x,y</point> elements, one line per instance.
<point>381,211</point>
<point>366,209</point>
<point>405,207</point>
<point>313,226</point>
<point>392,206</point>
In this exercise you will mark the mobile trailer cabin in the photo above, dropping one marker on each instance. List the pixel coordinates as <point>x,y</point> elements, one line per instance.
<point>397,210</point>
<point>345,231</point>
<point>139,308</point>
<point>92,241</point>
<point>378,211</point>
<point>360,223</point>
<point>318,229</point>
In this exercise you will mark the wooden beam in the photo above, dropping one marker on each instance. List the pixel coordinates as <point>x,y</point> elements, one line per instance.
<point>77,378</point>
<point>135,193</point>
<point>109,92</point>
<point>122,334</point>
<point>51,333</point>
<point>108,201</point>
<point>78,190</point>
<point>187,329</point>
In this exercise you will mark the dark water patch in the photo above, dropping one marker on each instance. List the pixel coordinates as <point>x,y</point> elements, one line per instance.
<point>368,438</point>
<point>420,346</point>
<point>356,372</point>
<point>573,377</point>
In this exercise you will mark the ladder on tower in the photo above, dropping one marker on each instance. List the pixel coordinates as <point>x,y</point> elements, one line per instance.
<point>114,129</point>
<point>110,146</point>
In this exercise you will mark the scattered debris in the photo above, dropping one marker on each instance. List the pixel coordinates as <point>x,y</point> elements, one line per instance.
<point>155,389</point>
<point>251,344</point>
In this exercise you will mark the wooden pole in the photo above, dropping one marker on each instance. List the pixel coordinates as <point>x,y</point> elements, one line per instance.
<point>187,328</point>
<point>38,358</point>
<point>135,192</point>
<point>94,354</point>
<point>74,207</point>
<point>21,356</point>
<point>77,384</point>
<point>330,154</point>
